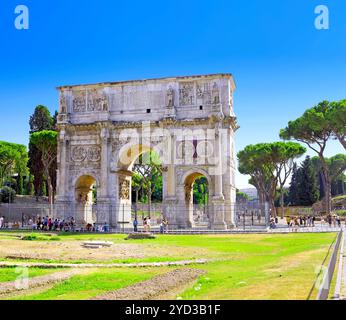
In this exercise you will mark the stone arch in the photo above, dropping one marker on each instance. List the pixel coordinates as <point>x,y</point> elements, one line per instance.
<point>86,174</point>
<point>83,198</point>
<point>196,172</point>
<point>187,183</point>
<point>130,152</point>
<point>126,158</point>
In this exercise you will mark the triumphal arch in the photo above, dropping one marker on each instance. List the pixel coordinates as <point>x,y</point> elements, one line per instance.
<point>103,129</point>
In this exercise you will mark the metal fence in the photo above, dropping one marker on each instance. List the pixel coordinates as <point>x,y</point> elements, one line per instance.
<point>252,215</point>
<point>183,216</point>
<point>324,289</point>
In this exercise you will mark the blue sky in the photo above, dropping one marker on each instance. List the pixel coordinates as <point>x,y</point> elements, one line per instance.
<point>281,63</point>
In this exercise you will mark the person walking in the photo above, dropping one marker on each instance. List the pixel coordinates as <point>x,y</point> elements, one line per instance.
<point>135,225</point>
<point>296,224</point>
<point>145,224</point>
<point>1,222</point>
<point>165,225</point>
<point>338,220</point>
<point>149,224</point>
<point>162,228</point>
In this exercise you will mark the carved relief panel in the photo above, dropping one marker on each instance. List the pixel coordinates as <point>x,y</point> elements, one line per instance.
<point>186,94</point>
<point>124,189</point>
<point>79,99</point>
<point>92,100</point>
<point>203,93</point>
<point>97,101</point>
<point>86,153</point>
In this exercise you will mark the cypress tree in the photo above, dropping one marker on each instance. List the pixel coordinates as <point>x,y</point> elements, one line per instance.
<point>307,187</point>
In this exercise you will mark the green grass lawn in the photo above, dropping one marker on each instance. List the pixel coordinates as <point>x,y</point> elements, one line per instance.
<point>252,266</point>
<point>9,274</point>
<point>82,287</point>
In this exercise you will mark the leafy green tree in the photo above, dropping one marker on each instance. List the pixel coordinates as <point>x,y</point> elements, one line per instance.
<point>149,175</point>
<point>7,195</point>
<point>46,142</point>
<point>336,166</point>
<point>242,197</point>
<point>201,191</point>
<point>13,160</point>
<point>313,128</point>
<point>337,119</point>
<point>269,166</point>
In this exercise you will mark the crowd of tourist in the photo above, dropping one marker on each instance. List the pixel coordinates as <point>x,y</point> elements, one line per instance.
<point>294,222</point>
<point>49,224</point>
<point>301,221</point>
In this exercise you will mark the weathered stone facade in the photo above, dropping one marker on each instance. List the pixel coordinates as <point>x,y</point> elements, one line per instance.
<point>103,128</point>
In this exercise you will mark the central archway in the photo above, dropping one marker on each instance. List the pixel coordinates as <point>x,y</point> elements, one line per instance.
<point>135,162</point>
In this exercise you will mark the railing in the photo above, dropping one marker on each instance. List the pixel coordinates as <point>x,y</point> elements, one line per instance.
<point>338,286</point>
<point>324,289</point>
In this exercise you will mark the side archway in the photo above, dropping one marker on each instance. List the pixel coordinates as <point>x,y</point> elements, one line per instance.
<point>86,187</point>
<point>193,211</point>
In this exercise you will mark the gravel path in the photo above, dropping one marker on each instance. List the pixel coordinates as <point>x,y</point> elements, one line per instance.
<point>6,264</point>
<point>155,287</point>
<point>11,287</point>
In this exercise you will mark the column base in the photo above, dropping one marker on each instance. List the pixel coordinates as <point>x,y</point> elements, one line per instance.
<point>218,226</point>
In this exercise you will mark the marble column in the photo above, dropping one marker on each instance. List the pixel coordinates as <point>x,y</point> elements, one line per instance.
<point>103,200</point>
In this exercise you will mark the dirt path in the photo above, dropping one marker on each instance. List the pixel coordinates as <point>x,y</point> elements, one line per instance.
<point>6,264</point>
<point>73,250</point>
<point>10,288</point>
<point>153,288</point>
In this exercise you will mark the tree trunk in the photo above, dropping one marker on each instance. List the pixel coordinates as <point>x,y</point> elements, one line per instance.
<point>282,203</point>
<point>327,190</point>
<point>272,203</point>
<point>136,204</point>
<point>50,194</point>
<point>149,199</point>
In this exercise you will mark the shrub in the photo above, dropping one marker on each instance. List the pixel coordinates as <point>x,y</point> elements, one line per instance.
<point>140,236</point>
<point>29,237</point>
<point>341,212</point>
<point>37,237</point>
<point>7,195</point>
